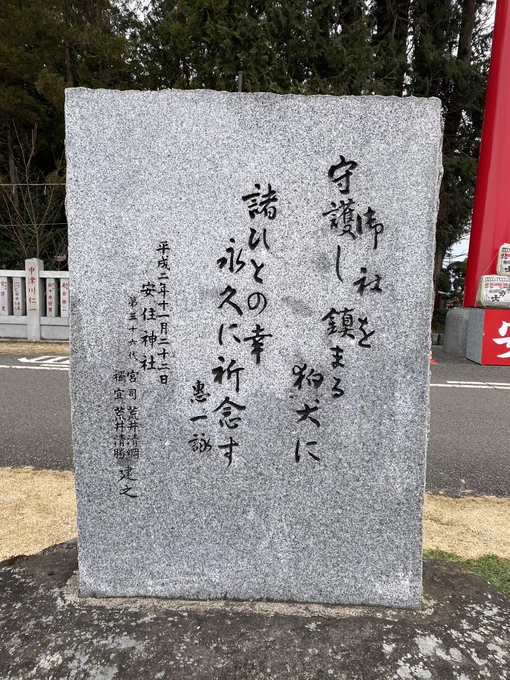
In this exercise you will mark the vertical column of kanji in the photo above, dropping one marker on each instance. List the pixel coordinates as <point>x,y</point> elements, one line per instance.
<point>308,381</point>
<point>163,311</point>
<point>235,328</point>
<point>35,298</point>
<point>18,296</point>
<point>5,296</point>
<point>344,326</point>
<point>51,301</point>
<point>126,443</point>
<point>64,297</point>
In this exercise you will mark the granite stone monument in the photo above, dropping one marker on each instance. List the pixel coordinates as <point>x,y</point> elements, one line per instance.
<point>251,292</point>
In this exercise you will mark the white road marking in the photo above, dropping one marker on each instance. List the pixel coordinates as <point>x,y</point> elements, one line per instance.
<point>465,382</point>
<point>500,385</point>
<point>61,363</point>
<point>474,382</point>
<point>39,368</point>
<point>473,385</point>
<point>48,362</point>
<point>480,387</point>
<point>48,359</point>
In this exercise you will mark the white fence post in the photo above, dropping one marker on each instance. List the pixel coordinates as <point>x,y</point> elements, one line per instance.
<point>35,297</point>
<point>5,296</point>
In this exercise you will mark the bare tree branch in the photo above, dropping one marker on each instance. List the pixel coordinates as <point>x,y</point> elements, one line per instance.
<point>34,205</point>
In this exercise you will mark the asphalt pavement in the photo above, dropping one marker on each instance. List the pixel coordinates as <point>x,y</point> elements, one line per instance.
<point>469,449</point>
<point>35,412</point>
<point>469,444</point>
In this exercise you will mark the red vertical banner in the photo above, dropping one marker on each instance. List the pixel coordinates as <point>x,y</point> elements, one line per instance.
<point>491,212</point>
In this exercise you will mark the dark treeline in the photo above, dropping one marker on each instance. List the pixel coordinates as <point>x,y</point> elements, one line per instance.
<point>420,48</point>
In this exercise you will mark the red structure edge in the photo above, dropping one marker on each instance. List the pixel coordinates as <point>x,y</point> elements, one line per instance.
<point>491,212</point>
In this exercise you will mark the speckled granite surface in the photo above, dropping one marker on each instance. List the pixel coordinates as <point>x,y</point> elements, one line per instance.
<point>244,262</point>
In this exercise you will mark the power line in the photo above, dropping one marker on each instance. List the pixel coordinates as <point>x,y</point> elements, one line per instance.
<point>39,224</point>
<point>33,184</point>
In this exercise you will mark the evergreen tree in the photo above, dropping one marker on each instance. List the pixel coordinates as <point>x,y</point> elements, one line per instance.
<point>304,46</point>
<point>427,48</point>
<point>451,46</point>
<point>340,47</point>
<point>46,46</point>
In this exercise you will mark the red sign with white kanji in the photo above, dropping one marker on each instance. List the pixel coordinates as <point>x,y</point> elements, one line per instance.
<point>496,337</point>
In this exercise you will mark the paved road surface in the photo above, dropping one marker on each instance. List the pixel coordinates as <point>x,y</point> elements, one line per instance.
<point>470,422</point>
<point>35,427</point>
<point>469,447</point>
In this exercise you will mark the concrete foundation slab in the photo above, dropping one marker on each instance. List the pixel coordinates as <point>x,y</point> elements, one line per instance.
<point>47,631</point>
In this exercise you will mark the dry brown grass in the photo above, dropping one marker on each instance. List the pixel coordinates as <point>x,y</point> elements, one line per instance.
<point>469,527</point>
<point>38,509</point>
<point>9,347</point>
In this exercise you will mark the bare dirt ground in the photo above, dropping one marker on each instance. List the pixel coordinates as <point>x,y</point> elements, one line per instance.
<point>8,347</point>
<point>38,509</point>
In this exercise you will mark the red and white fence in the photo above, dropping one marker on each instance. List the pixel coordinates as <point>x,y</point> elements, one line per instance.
<point>34,304</point>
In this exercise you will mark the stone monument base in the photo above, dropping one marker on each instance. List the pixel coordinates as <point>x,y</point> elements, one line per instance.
<point>456,332</point>
<point>464,625</point>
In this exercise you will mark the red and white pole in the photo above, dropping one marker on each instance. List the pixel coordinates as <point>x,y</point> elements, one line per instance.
<point>491,212</point>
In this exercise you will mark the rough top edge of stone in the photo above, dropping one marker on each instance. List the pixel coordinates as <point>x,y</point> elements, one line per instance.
<point>78,92</point>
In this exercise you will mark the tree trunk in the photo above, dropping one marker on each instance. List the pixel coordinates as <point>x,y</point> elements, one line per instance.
<point>438,265</point>
<point>466,31</point>
<point>453,118</point>
<point>69,67</point>
<point>13,175</point>
<point>401,31</point>
<point>392,28</point>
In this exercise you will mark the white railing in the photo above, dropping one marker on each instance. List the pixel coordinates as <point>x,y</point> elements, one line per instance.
<point>34,304</point>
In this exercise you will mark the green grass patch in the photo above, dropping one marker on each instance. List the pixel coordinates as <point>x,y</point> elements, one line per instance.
<point>492,568</point>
